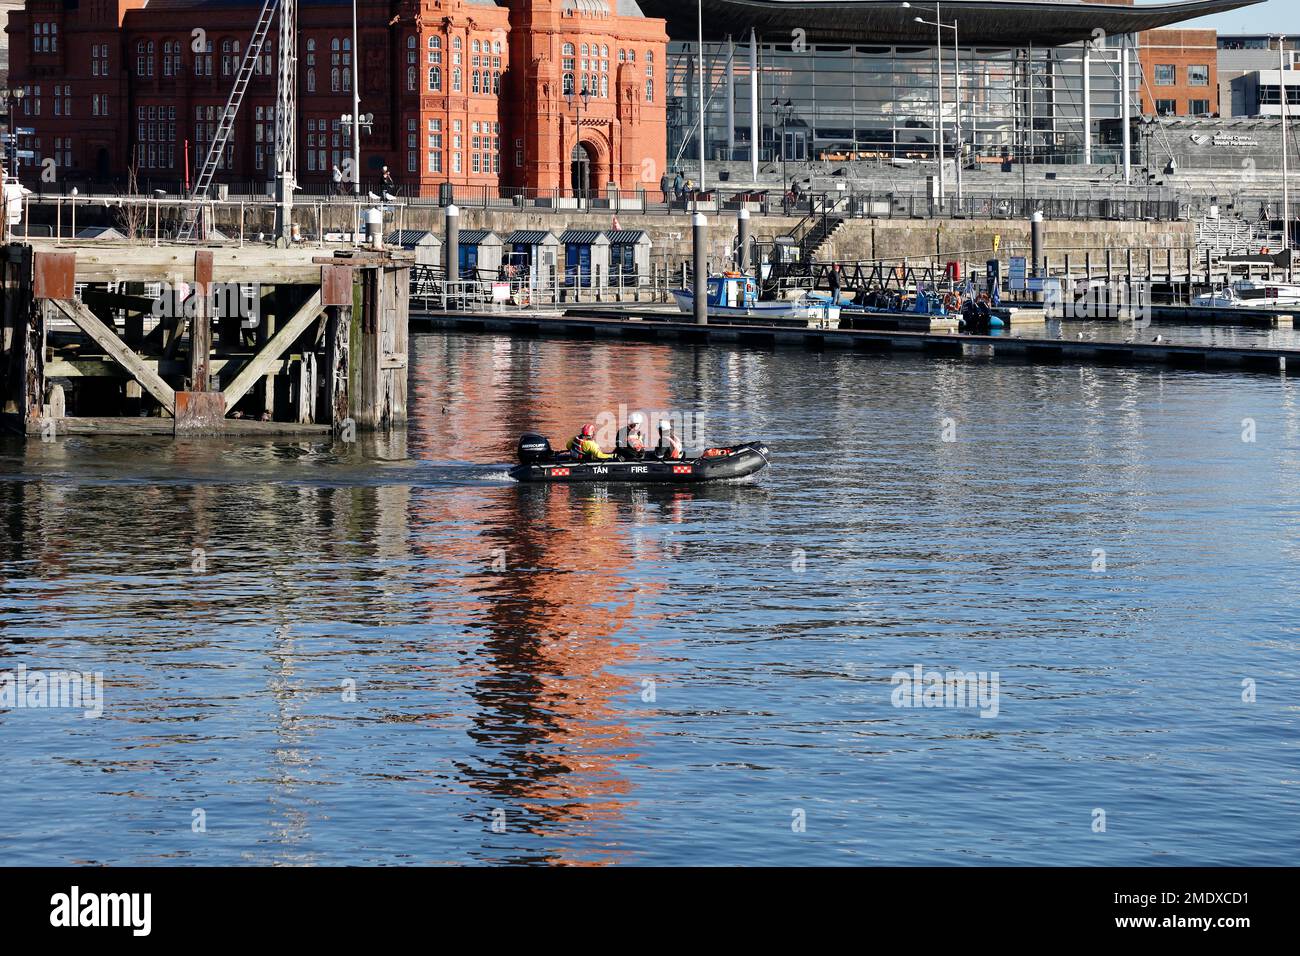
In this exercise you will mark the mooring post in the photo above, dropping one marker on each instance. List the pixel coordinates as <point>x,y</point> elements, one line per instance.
<point>451,244</point>
<point>198,409</point>
<point>201,322</point>
<point>337,299</point>
<point>742,242</point>
<point>699,235</point>
<point>380,398</point>
<point>1037,230</point>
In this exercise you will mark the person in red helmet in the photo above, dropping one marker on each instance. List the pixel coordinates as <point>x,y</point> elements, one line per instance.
<point>584,445</point>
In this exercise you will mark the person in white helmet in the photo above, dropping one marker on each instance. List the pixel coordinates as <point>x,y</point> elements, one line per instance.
<point>631,441</point>
<point>670,447</point>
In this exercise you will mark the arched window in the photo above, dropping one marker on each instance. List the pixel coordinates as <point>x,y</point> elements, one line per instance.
<point>496,81</point>
<point>567,50</point>
<point>567,87</point>
<point>475,48</point>
<point>496,46</point>
<point>604,84</point>
<point>410,79</point>
<point>473,81</point>
<point>649,56</point>
<point>455,80</point>
<point>144,58</point>
<point>335,85</point>
<point>435,79</point>
<point>604,50</point>
<point>456,43</point>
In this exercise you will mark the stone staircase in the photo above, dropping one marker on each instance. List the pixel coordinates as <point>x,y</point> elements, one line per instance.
<point>1227,235</point>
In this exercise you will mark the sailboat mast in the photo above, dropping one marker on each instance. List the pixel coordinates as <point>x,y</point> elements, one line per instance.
<point>1286,183</point>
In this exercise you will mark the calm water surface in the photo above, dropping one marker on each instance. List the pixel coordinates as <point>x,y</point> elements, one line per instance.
<point>604,675</point>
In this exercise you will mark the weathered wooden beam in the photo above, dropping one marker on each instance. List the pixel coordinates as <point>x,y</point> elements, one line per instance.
<point>380,401</point>
<point>104,366</point>
<point>279,343</point>
<point>135,263</point>
<point>337,371</point>
<point>107,339</point>
<point>304,396</point>
<point>17,292</point>
<point>31,405</point>
<point>201,323</point>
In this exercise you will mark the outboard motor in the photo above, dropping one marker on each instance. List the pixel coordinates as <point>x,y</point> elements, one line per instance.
<point>535,450</point>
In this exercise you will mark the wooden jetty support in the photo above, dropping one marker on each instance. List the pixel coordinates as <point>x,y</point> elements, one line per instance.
<point>129,339</point>
<point>659,326</point>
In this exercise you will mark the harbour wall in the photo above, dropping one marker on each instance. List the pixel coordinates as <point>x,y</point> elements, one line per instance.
<point>889,240</point>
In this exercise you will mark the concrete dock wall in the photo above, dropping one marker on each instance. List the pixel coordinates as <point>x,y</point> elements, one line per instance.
<point>855,240</point>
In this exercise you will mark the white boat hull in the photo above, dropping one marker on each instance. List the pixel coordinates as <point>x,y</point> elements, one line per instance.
<point>796,309</point>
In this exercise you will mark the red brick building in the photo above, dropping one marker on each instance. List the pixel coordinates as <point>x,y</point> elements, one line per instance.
<point>1180,75</point>
<point>469,92</point>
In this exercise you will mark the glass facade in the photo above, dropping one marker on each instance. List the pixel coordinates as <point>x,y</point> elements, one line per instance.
<point>871,102</point>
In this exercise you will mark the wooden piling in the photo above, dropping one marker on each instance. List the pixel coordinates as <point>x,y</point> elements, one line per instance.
<point>303,343</point>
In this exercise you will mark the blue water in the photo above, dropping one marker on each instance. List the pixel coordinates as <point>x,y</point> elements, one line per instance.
<point>672,676</point>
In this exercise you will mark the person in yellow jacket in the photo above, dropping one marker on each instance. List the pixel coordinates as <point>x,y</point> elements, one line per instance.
<point>584,445</point>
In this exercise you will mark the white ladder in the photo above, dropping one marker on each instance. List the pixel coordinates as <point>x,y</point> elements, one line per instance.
<point>217,148</point>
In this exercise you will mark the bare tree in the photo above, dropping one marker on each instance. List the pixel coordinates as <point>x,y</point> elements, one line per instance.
<point>132,214</point>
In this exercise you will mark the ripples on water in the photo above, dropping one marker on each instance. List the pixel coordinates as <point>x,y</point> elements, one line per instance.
<point>649,680</point>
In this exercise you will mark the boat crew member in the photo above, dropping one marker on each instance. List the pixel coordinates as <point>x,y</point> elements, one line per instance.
<point>834,280</point>
<point>631,441</point>
<point>669,445</point>
<point>584,445</point>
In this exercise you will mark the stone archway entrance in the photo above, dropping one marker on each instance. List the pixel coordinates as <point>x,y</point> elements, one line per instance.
<point>582,171</point>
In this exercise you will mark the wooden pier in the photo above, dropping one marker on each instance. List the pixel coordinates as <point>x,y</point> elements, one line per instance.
<point>659,326</point>
<point>130,338</point>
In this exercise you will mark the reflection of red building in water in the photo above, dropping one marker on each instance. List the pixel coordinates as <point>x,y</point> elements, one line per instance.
<point>470,92</point>
<point>558,627</point>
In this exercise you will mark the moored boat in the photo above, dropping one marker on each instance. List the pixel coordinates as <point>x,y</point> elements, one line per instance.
<point>1246,294</point>
<point>736,296</point>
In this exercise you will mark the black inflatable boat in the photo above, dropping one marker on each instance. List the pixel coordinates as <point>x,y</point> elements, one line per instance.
<point>538,462</point>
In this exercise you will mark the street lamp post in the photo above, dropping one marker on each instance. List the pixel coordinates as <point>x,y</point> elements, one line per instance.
<point>1286,185</point>
<point>784,111</point>
<point>12,98</point>
<point>579,100</point>
<point>938,96</point>
<point>699,72</point>
<point>956,91</point>
<point>356,110</point>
